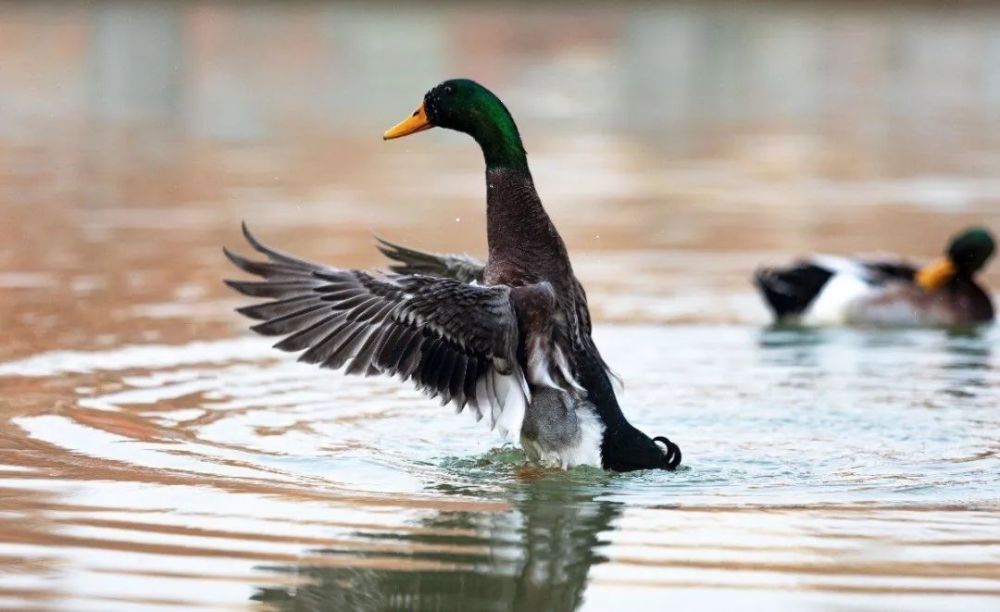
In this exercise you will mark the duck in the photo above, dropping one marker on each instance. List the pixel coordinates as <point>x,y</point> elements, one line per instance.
<point>891,292</point>
<point>508,338</point>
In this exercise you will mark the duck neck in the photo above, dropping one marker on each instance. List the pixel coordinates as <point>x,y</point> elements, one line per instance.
<point>500,140</point>
<point>518,230</point>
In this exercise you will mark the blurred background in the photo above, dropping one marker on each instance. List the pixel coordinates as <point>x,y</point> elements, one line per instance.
<point>677,145</point>
<point>155,456</point>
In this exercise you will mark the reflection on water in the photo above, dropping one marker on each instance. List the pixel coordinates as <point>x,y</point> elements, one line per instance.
<point>536,556</point>
<point>152,457</point>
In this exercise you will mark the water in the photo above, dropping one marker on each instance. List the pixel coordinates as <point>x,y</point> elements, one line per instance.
<point>154,455</point>
<point>831,466</point>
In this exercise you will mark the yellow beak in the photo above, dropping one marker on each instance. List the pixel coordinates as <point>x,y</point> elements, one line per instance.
<point>417,122</point>
<point>933,276</point>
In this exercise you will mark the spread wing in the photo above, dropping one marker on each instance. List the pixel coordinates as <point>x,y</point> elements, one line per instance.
<point>459,267</point>
<point>453,340</point>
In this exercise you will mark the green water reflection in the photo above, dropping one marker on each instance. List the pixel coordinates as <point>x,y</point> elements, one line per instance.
<point>537,556</point>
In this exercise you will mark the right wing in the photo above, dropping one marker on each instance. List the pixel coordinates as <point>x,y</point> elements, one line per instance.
<point>453,340</point>
<point>462,268</point>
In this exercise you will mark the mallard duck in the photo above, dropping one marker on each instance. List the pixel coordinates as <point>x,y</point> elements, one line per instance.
<point>509,338</point>
<point>828,290</point>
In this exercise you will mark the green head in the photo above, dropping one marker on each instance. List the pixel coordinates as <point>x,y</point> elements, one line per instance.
<point>468,107</point>
<point>971,249</point>
<point>966,254</point>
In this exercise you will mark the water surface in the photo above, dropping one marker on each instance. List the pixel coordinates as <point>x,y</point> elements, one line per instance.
<point>822,466</point>
<point>154,455</point>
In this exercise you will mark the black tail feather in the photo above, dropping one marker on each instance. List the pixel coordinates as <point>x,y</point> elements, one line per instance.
<point>790,291</point>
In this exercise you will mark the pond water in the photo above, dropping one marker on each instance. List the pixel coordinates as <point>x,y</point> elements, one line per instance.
<point>155,455</point>
<point>830,466</point>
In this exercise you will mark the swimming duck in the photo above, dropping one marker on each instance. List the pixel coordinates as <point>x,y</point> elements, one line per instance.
<point>828,290</point>
<point>509,338</point>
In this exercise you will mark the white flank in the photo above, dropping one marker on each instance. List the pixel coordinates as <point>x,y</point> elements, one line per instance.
<point>588,450</point>
<point>585,449</point>
<point>833,304</point>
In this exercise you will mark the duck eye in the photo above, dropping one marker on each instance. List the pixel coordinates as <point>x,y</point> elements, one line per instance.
<point>448,90</point>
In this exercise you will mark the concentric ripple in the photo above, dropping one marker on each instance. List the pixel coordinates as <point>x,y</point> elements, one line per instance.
<point>829,465</point>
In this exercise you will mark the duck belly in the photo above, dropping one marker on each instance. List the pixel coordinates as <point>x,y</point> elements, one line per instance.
<point>560,430</point>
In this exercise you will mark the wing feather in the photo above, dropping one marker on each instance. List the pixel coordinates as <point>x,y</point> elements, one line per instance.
<point>277,308</point>
<point>292,321</point>
<point>454,340</point>
<point>307,337</point>
<point>462,268</point>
